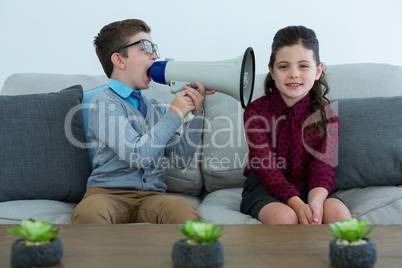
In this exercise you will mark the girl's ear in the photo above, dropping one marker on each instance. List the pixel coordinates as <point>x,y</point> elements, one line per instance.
<point>118,61</point>
<point>271,72</point>
<point>320,67</point>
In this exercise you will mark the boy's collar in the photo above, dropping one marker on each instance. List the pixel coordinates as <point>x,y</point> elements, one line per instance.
<point>120,88</point>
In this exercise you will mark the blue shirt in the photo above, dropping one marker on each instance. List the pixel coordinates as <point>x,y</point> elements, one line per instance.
<point>124,91</point>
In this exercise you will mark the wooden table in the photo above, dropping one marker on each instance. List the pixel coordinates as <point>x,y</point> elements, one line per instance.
<point>147,245</point>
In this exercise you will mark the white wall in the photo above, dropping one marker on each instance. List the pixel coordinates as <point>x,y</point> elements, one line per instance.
<point>50,36</point>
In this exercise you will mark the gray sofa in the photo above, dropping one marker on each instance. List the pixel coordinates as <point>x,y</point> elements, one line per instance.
<point>43,175</point>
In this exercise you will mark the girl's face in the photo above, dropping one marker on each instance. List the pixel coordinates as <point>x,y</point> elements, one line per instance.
<point>294,72</point>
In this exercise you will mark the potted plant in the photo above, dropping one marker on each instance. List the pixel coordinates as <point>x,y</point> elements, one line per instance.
<point>200,248</point>
<point>37,246</point>
<point>350,247</point>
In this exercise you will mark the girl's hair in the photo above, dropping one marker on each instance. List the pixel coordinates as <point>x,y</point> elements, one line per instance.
<point>115,36</point>
<point>300,35</point>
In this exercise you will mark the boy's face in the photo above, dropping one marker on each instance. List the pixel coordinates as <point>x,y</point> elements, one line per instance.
<point>137,64</point>
<point>295,72</point>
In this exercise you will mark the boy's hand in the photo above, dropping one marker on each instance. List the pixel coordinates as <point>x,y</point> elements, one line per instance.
<point>182,104</point>
<point>198,95</point>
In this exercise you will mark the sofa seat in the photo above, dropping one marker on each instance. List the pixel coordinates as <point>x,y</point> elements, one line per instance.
<point>56,212</point>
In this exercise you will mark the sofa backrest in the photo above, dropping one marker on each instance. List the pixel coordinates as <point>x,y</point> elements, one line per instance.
<point>362,80</point>
<point>222,155</point>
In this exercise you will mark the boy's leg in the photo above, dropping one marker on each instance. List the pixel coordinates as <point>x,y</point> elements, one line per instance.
<point>104,206</point>
<point>165,209</point>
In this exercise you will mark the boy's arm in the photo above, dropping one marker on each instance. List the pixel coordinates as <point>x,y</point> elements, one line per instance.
<point>185,144</point>
<point>112,128</point>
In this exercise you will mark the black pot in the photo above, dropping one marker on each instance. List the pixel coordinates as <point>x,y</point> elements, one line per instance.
<point>198,255</point>
<point>36,255</point>
<point>356,256</point>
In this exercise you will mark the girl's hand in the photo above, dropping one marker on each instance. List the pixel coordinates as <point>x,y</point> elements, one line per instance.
<point>316,198</point>
<point>305,214</point>
<point>303,210</point>
<point>317,210</point>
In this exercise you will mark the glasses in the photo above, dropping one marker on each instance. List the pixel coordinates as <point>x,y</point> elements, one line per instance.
<point>148,46</point>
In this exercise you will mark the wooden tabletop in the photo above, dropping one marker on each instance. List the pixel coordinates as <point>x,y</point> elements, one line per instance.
<point>146,245</point>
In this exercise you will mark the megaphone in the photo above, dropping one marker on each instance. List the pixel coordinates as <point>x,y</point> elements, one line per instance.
<point>233,77</point>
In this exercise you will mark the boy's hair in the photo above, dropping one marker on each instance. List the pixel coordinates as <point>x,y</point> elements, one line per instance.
<point>300,35</point>
<point>114,36</point>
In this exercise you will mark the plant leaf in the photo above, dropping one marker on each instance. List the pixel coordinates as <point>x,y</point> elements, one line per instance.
<point>368,232</point>
<point>350,230</point>
<point>201,232</point>
<point>35,231</point>
<point>17,231</point>
<point>332,234</point>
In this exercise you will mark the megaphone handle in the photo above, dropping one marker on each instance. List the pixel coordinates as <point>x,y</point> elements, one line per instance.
<point>177,86</point>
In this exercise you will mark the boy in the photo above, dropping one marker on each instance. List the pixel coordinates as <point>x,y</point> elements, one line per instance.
<point>133,133</point>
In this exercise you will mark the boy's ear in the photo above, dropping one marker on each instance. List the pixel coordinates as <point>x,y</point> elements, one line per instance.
<point>118,61</point>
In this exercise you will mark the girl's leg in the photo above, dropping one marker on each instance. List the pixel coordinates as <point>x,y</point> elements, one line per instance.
<point>258,203</point>
<point>334,211</point>
<point>277,213</point>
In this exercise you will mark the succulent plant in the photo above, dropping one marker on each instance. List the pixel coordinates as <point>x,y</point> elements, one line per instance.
<point>350,230</point>
<point>201,232</point>
<point>35,231</point>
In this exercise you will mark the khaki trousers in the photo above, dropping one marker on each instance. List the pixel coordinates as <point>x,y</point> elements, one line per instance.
<point>105,206</point>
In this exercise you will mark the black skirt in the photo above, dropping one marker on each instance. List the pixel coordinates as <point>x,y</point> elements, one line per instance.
<point>255,196</point>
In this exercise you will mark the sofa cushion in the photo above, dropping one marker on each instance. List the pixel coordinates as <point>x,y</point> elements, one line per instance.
<point>370,144</point>
<point>86,107</point>
<point>33,83</point>
<point>55,212</point>
<point>224,148</point>
<point>376,204</point>
<point>223,207</point>
<point>224,145</point>
<point>364,80</point>
<point>38,158</point>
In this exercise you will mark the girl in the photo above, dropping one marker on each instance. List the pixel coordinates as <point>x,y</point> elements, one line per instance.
<point>292,138</point>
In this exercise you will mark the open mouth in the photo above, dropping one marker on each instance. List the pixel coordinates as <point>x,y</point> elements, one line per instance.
<point>149,73</point>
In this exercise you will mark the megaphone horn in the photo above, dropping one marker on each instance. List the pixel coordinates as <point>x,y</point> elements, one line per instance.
<point>233,77</point>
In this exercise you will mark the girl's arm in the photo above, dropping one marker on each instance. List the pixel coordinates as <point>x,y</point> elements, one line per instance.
<point>316,198</point>
<point>323,156</point>
<point>321,167</point>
